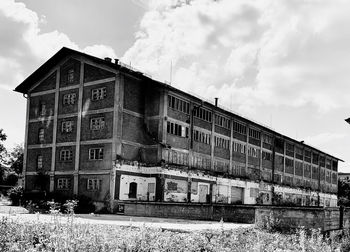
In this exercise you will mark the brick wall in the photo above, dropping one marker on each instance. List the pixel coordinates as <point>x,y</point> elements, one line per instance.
<point>98,195</point>
<point>68,108</point>
<point>70,64</point>
<point>67,165</point>
<point>105,133</point>
<point>105,164</point>
<point>134,95</point>
<point>47,84</point>
<point>92,73</point>
<point>32,159</point>
<point>33,132</point>
<point>66,136</point>
<point>107,102</point>
<point>34,107</point>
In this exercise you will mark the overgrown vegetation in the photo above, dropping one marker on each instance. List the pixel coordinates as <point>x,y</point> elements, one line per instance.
<point>70,236</point>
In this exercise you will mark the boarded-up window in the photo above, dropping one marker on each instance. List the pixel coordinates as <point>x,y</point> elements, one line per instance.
<point>254,192</point>
<point>172,186</point>
<point>194,188</point>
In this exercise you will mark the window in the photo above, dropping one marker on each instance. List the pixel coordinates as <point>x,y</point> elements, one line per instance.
<point>70,76</point>
<point>201,137</point>
<point>328,163</point>
<point>253,152</point>
<point>202,113</point>
<point>335,165</point>
<point>307,156</point>
<point>322,161</point>
<point>39,162</point>
<point>93,184</point>
<point>239,128</point>
<point>254,192</point>
<point>266,156</point>
<point>222,121</point>
<point>177,129</point>
<point>69,99</point>
<point>314,158</point>
<point>63,183</point>
<point>67,126</point>
<point>254,134</point>
<point>289,149</point>
<point>299,153</point>
<point>98,94</point>
<point>239,147</point>
<point>179,105</point>
<point>267,139</point>
<point>42,108</point>
<point>97,123</point>
<point>96,154</point>
<point>66,155</point>
<point>222,142</point>
<point>41,135</point>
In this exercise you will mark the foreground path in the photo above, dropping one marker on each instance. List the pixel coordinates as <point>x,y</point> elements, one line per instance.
<point>167,224</point>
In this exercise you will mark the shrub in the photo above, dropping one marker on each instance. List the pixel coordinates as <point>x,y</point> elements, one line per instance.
<point>16,195</point>
<point>85,205</point>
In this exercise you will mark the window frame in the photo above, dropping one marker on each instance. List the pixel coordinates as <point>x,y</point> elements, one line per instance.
<point>98,93</point>
<point>96,154</point>
<point>93,184</point>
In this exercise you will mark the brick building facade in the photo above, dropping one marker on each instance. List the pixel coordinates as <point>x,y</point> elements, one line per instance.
<point>98,128</point>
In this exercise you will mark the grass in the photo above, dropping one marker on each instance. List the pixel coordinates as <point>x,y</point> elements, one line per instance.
<point>70,236</point>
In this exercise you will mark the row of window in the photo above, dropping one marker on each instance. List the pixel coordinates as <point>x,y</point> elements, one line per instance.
<point>96,123</point>
<point>92,184</point>
<point>71,99</point>
<point>67,155</point>
<point>254,133</point>
<point>222,142</point>
<point>202,113</point>
<point>222,121</point>
<point>177,129</point>
<point>201,137</point>
<point>178,104</point>
<point>239,128</point>
<point>252,152</point>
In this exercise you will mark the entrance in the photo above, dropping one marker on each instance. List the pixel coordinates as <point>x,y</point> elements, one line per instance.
<point>132,190</point>
<point>203,192</point>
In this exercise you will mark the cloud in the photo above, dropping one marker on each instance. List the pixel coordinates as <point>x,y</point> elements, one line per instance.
<point>24,47</point>
<point>292,53</point>
<point>323,138</point>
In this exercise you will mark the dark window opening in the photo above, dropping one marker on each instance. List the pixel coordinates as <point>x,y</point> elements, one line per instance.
<point>132,190</point>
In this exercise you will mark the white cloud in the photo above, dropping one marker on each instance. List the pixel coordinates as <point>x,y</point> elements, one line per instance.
<point>323,138</point>
<point>291,53</point>
<point>23,46</point>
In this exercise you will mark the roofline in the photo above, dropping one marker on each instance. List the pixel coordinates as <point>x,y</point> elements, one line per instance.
<point>64,51</point>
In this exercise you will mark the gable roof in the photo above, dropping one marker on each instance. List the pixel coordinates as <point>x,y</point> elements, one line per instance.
<point>52,62</point>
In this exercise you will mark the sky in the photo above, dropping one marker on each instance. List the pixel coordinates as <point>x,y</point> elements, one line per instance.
<point>282,63</point>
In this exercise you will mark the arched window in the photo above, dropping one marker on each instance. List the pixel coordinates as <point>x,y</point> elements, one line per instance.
<point>132,190</point>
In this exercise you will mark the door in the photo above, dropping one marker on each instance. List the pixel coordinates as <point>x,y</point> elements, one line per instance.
<point>132,190</point>
<point>203,192</point>
<point>236,195</point>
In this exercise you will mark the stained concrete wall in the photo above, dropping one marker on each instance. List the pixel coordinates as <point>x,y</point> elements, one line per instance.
<point>325,219</point>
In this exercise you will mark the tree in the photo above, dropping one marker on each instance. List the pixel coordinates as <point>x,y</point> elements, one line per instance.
<point>16,159</point>
<point>344,192</point>
<point>2,155</point>
<point>3,138</point>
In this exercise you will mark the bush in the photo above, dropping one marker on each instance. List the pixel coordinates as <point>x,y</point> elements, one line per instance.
<point>16,195</point>
<point>85,205</point>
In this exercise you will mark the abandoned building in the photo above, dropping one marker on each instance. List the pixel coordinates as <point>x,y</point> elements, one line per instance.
<point>99,128</point>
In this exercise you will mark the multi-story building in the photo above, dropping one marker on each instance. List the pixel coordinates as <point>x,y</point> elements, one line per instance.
<point>98,128</point>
